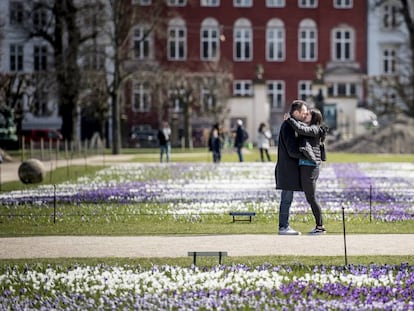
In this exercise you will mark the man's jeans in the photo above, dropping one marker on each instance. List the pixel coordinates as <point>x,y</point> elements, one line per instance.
<point>240,153</point>
<point>167,150</point>
<point>284,208</point>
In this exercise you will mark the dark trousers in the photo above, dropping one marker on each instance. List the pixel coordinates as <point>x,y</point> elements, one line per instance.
<point>263,152</point>
<point>308,178</point>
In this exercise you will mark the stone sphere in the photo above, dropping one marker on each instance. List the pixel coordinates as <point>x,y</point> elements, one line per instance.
<point>31,171</point>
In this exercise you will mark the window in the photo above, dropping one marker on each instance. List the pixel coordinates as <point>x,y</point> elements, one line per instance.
<point>209,99</point>
<point>308,3</point>
<point>342,90</point>
<point>275,40</point>
<point>142,97</point>
<point>175,97</point>
<point>343,45</point>
<point>94,57</point>
<point>16,12</point>
<point>40,58</point>
<point>275,3</point>
<point>141,2</point>
<point>243,40</point>
<point>276,93</point>
<point>242,88</point>
<point>390,18</point>
<point>16,57</point>
<point>210,2</point>
<point>243,3</point>
<point>343,4</point>
<point>177,2</point>
<point>177,40</point>
<point>307,40</point>
<point>141,42</point>
<point>39,107</point>
<point>40,19</point>
<point>304,90</point>
<point>210,39</point>
<point>389,61</point>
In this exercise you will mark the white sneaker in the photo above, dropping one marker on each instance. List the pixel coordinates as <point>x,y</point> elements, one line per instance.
<point>288,231</point>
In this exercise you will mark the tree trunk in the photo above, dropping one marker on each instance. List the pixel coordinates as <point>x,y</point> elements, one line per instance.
<point>116,126</point>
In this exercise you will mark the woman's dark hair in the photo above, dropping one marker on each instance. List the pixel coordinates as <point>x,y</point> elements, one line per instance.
<point>261,126</point>
<point>317,118</point>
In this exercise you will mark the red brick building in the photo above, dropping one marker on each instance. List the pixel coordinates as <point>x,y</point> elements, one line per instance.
<point>278,44</point>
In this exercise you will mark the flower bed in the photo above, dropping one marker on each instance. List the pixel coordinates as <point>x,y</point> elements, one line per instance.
<point>234,287</point>
<point>377,189</point>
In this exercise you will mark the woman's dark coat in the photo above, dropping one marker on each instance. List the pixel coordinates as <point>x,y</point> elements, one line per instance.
<point>287,167</point>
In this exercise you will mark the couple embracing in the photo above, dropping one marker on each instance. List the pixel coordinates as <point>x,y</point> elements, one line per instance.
<point>299,156</point>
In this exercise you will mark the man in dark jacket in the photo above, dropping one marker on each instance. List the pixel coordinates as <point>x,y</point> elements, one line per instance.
<point>287,167</point>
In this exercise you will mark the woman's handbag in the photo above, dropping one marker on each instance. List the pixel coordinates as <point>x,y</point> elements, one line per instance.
<point>323,152</point>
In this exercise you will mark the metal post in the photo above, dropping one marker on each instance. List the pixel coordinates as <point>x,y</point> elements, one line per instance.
<point>343,224</point>
<point>54,204</point>
<point>370,203</point>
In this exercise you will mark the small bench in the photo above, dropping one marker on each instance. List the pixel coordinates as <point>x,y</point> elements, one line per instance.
<point>220,255</point>
<point>242,214</point>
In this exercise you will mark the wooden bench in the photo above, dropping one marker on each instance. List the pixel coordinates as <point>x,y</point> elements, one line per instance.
<point>242,214</point>
<point>220,255</point>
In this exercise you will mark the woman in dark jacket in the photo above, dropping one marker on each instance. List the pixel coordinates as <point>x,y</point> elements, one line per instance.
<point>311,136</point>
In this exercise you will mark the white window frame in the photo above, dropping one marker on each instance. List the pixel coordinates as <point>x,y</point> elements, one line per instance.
<point>242,88</point>
<point>16,57</point>
<point>343,48</point>
<point>335,87</point>
<point>178,42</point>
<point>307,41</point>
<point>94,57</point>
<point>343,4</point>
<point>243,41</point>
<point>275,3</point>
<point>175,103</point>
<point>275,41</point>
<point>210,3</point>
<point>40,104</point>
<point>16,15</point>
<point>304,89</point>
<point>40,57</point>
<point>141,46</point>
<point>389,60</point>
<point>242,3</point>
<point>141,97</point>
<point>177,2</point>
<point>208,99</point>
<point>209,44</point>
<point>276,91</point>
<point>390,16</point>
<point>308,4</point>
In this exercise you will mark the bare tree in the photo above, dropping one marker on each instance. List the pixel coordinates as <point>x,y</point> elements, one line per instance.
<point>203,93</point>
<point>61,23</point>
<point>392,94</point>
<point>120,19</point>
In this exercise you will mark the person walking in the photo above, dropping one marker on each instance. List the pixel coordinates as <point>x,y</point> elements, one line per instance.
<point>287,174</point>
<point>164,134</point>
<point>215,143</point>
<point>240,138</point>
<point>263,141</point>
<point>311,135</point>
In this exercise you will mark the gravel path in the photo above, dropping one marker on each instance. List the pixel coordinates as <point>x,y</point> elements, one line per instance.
<point>178,246</point>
